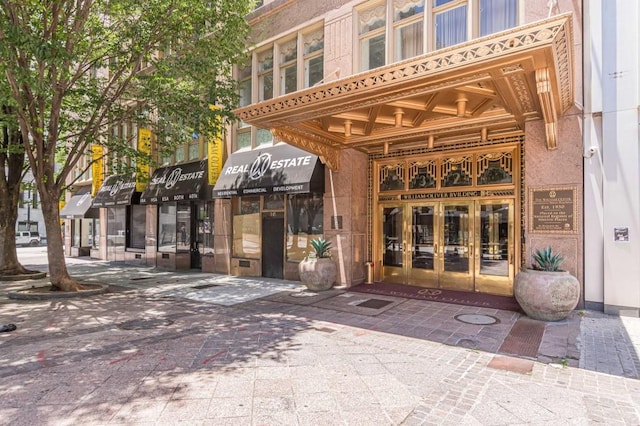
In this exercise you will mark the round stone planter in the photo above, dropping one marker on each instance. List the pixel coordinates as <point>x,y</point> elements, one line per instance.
<point>546,296</point>
<point>317,274</point>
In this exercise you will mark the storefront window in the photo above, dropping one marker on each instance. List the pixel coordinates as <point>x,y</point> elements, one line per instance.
<point>184,227</point>
<point>304,222</point>
<point>205,227</point>
<point>94,233</point>
<point>167,227</point>
<point>116,226</point>
<point>246,227</point>
<point>137,220</point>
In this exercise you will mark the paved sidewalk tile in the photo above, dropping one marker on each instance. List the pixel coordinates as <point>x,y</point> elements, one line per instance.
<point>197,348</point>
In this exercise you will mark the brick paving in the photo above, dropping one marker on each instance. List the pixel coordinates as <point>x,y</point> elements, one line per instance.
<point>249,352</point>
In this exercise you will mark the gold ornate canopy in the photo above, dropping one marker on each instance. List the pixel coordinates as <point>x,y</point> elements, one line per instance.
<point>485,88</point>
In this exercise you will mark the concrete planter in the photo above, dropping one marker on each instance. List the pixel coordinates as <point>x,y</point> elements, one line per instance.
<point>546,296</point>
<point>318,274</point>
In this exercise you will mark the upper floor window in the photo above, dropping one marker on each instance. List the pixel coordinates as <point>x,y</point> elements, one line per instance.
<point>288,67</point>
<point>265,75</point>
<point>396,30</point>
<point>408,28</point>
<point>313,58</point>
<point>372,27</point>
<point>290,64</point>
<point>450,26</point>
<point>497,15</point>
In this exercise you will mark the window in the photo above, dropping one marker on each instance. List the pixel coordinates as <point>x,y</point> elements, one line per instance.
<point>167,227</point>
<point>497,15</point>
<point>450,25</point>
<point>372,26</point>
<point>264,137</point>
<point>179,154</point>
<point>243,139</point>
<point>313,58</point>
<point>288,67</point>
<point>245,86</point>
<point>205,227</point>
<point>246,227</point>
<point>137,221</point>
<point>194,150</point>
<point>116,228</point>
<point>265,75</point>
<point>305,215</point>
<point>395,30</point>
<point>408,31</point>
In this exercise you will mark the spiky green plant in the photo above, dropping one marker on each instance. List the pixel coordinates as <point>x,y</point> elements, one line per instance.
<point>321,248</point>
<point>546,260</point>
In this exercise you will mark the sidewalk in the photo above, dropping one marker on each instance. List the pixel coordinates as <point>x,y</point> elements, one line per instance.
<point>164,347</point>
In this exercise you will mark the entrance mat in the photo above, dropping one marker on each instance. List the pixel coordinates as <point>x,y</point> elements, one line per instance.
<point>504,303</point>
<point>524,338</point>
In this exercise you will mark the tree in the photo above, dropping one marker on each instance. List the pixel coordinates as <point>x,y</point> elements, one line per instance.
<point>74,68</point>
<point>12,168</point>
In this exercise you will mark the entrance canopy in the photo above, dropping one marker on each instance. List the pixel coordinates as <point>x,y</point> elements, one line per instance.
<point>79,206</point>
<point>181,182</point>
<point>486,88</point>
<point>117,190</point>
<point>282,169</point>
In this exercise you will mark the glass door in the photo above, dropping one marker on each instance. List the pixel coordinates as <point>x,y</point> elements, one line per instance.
<point>495,233</point>
<point>393,244</point>
<point>424,246</point>
<point>457,246</point>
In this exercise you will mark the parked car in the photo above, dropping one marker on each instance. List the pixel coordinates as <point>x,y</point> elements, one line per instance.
<point>27,238</point>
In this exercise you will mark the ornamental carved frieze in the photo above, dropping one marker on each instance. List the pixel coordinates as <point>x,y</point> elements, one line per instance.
<point>485,88</point>
<point>551,31</point>
<point>328,155</point>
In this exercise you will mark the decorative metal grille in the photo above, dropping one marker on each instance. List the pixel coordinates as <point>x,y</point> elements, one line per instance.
<point>423,174</point>
<point>392,177</point>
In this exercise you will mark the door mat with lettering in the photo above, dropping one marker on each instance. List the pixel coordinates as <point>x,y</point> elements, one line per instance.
<point>440,295</point>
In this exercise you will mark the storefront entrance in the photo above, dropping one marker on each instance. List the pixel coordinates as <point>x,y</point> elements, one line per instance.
<point>459,245</point>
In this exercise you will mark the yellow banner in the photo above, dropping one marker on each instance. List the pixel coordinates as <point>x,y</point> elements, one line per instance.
<point>144,146</point>
<point>97,169</point>
<point>215,151</point>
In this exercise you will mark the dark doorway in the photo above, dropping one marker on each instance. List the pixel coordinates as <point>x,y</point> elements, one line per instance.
<point>197,232</point>
<point>273,245</point>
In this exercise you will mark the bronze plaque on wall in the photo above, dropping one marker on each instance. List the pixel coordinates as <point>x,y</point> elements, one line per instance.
<point>553,210</point>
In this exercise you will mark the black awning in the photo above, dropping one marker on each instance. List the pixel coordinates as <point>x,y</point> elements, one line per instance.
<point>117,190</point>
<point>79,206</point>
<point>177,183</point>
<point>281,169</point>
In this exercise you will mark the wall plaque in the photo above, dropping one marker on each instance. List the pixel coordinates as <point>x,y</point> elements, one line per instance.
<point>553,210</point>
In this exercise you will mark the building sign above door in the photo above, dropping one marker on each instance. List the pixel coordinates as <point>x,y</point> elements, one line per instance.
<point>553,210</point>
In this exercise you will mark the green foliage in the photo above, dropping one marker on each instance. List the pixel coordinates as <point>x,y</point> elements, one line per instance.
<point>321,248</point>
<point>76,69</point>
<point>546,260</point>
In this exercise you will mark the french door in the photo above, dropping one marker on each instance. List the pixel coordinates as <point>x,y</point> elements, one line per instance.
<point>466,245</point>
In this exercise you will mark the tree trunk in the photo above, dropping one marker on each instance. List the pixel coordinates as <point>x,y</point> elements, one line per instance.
<point>58,275</point>
<point>9,264</point>
<point>12,166</point>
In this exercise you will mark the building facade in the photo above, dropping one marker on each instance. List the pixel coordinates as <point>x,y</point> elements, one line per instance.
<point>450,131</point>
<point>441,141</point>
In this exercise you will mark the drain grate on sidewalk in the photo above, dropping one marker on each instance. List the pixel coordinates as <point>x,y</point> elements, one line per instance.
<point>375,303</point>
<point>524,338</point>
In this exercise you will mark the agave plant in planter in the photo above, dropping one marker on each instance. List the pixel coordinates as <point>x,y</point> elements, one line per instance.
<point>545,292</point>
<point>318,270</point>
